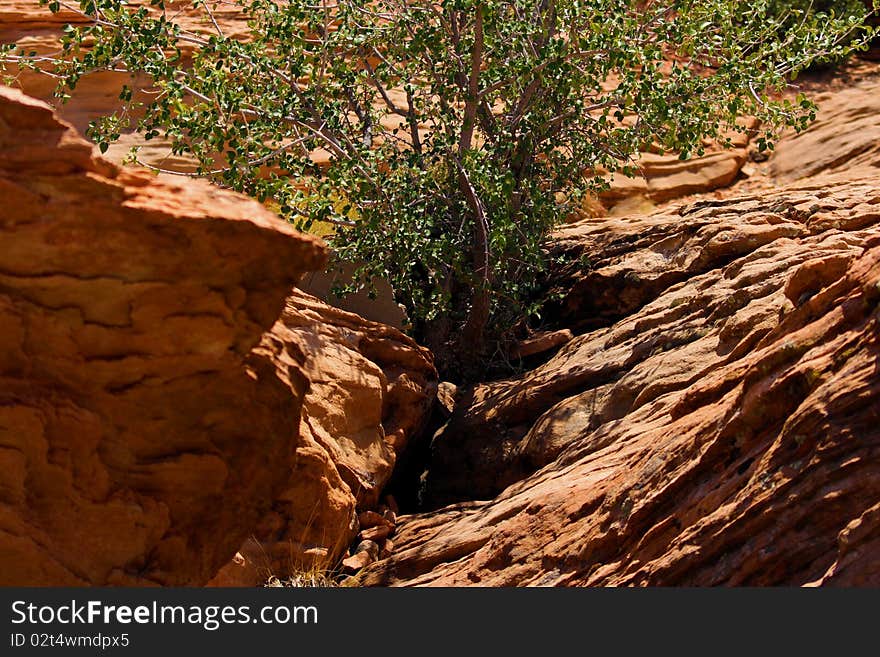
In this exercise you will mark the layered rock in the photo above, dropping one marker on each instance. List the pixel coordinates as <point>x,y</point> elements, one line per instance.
<point>33,27</point>
<point>166,392</point>
<point>724,433</point>
<point>372,389</point>
<point>666,177</point>
<point>144,429</point>
<point>715,423</point>
<point>845,136</point>
<point>689,302</point>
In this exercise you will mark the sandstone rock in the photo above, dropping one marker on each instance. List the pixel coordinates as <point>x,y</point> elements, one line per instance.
<point>844,137</point>
<point>724,431</point>
<point>369,393</point>
<point>36,29</point>
<point>367,519</point>
<point>749,170</point>
<point>356,562</point>
<point>387,548</point>
<point>368,546</point>
<point>309,526</point>
<point>377,533</point>
<point>541,342</point>
<point>390,517</point>
<point>665,177</point>
<point>634,204</point>
<point>372,387</point>
<point>446,394</point>
<point>371,390</point>
<point>647,264</point>
<point>377,305</point>
<point>618,264</point>
<point>144,429</point>
<point>249,567</point>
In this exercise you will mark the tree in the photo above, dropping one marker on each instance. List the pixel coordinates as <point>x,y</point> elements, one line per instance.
<point>456,133</point>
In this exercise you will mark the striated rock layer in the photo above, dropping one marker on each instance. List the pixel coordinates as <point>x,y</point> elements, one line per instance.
<point>143,428</point>
<point>33,27</point>
<point>718,419</point>
<point>845,136</point>
<point>727,432</point>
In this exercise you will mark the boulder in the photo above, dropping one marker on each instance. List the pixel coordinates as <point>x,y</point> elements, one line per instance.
<point>372,388</point>
<point>144,428</point>
<point>368,546</point>
<point>377,533</point>
<point>356,562</point>
<point>368,519</point>
<point>167,392</point>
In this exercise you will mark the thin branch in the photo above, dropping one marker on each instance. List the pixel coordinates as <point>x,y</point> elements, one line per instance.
<point>473,89</point>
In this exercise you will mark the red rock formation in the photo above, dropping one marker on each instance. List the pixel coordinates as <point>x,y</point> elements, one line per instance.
<point>656,260</point>
<point>152,377</point>
<point>718,422</point>
<point>143,429</point>
<point>371,390</point>
<point>726,433</point>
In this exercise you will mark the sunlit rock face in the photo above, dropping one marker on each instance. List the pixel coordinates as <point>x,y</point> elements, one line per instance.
<point>715,419</point>
<point>144,429</point>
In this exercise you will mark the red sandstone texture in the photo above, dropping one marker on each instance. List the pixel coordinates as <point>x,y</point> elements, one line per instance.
<point>713,421</point>
<point>371,390</point>
<point>143,432</point>
<point>166,396</point>
<point>726,433</point>
<point>717,420</point>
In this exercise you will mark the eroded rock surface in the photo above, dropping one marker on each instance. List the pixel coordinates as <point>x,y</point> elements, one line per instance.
<point>725,433</point>
<point>144,430</point>
<point>371,390</point>
<point>665,177</point>
<point>697,288</point>
<point>845,136</point>
<point>168,397</point>
<point>716,420</point>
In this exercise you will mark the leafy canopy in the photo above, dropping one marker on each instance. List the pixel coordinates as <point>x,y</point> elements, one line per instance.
<point>444,139</point>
